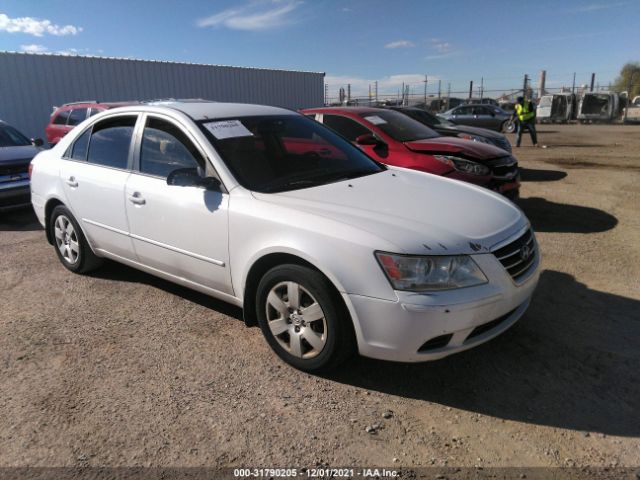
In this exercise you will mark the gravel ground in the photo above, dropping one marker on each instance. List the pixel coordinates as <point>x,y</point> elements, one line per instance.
<point>122,369</point>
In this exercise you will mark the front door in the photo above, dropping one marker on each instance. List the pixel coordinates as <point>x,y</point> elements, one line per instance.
<point>178,230</point>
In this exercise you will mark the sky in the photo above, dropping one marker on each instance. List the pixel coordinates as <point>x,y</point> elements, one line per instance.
<point>353,41</point>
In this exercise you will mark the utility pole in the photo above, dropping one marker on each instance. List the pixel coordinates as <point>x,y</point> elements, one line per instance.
<point>470,89</point>
<point>326,94</point>
<point>439,85</point>
<point>542,83</point>
<point>573,87</point>
<point>369,94</point>
<point>426,80</point>
<point>376,91</point>
<point>524,85</point>
<point>448,95</point>
<point>481,87</point>
<point>348,93</point>
<point>593,80</point>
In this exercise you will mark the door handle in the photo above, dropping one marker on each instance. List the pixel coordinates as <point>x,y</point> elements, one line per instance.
<point>136,199</point>
<point>72,182</point>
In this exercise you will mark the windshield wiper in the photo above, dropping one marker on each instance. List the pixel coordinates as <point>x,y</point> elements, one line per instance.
<point>316,181</point>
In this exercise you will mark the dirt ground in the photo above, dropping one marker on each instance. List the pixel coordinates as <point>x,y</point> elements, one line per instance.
<point>122,369</point>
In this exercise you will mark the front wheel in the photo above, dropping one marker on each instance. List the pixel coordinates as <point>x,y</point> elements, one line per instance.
<point>71,246</point>
<point>303,318</point>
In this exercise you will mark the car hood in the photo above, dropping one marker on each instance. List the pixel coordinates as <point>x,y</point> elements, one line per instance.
<point>417,212</point>
<point>11,154</point>
<point>452,145</point>
<point>483,132</point>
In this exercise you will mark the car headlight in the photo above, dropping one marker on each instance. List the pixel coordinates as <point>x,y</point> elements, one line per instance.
<point>433,272</point>
<point>463,165</point>
<point>474,138</point>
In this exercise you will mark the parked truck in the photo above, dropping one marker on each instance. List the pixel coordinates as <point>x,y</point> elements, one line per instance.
<point>599,107</point>
<point>556,108</point>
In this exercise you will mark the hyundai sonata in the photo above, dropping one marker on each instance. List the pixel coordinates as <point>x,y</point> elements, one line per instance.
<point>326,249</point>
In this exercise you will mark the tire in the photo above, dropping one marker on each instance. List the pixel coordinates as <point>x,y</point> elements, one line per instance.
<point>508,127</point>
<point>321,341</point>
<point>69,242</point>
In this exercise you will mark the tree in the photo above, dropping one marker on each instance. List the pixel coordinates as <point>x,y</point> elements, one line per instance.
<point>629,79</point>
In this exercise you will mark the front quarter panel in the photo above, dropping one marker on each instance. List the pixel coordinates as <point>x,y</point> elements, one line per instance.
<point>343,253</point>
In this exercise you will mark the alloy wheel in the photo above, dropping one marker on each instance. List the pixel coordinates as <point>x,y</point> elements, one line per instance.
<point>66,240</point>
<point>296,320</point>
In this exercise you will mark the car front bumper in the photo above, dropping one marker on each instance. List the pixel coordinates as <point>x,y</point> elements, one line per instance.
<point>14,195</point>
<point>422,327</point>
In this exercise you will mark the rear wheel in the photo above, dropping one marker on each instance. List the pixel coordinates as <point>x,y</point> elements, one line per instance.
<point>71,246</point>
<point>508,126</point>
<point>303,319</point>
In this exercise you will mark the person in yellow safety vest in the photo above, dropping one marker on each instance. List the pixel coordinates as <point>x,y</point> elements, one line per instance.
<point>526,117</point>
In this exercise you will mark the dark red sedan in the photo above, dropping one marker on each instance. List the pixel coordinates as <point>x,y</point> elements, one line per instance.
<point>396,139</point>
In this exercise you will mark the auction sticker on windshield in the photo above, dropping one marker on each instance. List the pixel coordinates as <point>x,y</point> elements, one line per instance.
<point>228,129</point>
<point>376,120</point>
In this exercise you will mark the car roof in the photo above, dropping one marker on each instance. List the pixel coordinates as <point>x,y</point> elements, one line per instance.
<point>356,110</point>
<point>204,110</point>
<point>72,105</point>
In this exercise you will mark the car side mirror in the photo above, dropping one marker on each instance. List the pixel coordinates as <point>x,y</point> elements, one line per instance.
<point>368,139</point>
<point>37,142</point>
<point>189,177</point>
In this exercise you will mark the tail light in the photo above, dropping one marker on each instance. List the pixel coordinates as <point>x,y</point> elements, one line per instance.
<point>30,169</point>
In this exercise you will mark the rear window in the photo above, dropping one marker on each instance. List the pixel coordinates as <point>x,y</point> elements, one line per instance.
<point>61,117</point>
<point>77,116</point>
<point>399,126</point>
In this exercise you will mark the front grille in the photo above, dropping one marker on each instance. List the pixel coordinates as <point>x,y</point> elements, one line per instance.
<point>519,255</point>
<point>505,171</point>
<point>14,168</point>
<point>505,168</point>
<point>485,327</point>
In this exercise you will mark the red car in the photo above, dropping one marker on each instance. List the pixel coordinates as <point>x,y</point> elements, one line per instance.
<point>393,138</point>
<point>64,118</point>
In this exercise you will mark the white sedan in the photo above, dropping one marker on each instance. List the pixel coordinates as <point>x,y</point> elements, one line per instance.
<point>327,250</point>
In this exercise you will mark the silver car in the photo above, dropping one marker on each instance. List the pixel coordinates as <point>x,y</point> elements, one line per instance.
<point>484,116</point>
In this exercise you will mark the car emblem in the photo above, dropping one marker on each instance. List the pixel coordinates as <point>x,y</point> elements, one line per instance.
<point>525,252</point>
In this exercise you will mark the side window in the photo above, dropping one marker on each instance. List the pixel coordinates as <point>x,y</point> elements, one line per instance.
<point>94,111</point>
<point>166,148</point>
<point>79,147</point>
<point>77,116</point>
<point>110,142</point>
<point>61,117</point>
<point>350,129</point>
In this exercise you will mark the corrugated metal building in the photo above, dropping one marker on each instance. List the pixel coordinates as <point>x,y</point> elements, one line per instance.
<point>31,84</point>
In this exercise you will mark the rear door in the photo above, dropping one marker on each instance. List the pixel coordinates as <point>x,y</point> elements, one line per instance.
<point>94,173</point>
<point>482,117</point>
<point>182,231</point>
<point>463,115</point>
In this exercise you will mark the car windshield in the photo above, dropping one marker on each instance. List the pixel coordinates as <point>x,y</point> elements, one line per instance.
<point>429,119</point>
<point>10,137</point>
<point>398,126</point>
<point>277,153</point>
